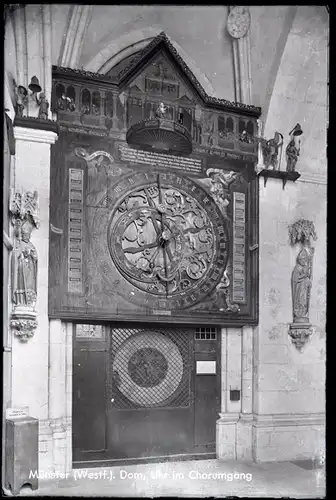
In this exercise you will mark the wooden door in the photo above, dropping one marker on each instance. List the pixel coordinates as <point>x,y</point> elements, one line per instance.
<point>144,393</point>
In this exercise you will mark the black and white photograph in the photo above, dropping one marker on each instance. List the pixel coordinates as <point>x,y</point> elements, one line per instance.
<point>165,250</point>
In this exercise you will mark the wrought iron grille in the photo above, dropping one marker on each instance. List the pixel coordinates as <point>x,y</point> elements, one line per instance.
<point>206,334</point>
<point>150,367</point>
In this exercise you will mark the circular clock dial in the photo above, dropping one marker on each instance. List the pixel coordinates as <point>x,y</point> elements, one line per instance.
<point>167,238</point>
<point>238,21</point>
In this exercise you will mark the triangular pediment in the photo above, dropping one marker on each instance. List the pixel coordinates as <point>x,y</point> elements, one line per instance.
<point>160,66</point>
<point>159,78</point>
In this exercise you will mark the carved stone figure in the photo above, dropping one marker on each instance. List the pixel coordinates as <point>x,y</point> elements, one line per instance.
<point>25,268</point>
<point>245,137</point>
<point>270,150</point>
<point>219,189</point>
<point>301,285</point>
<point>24,210</point>
<point>65,103</point>
<point>292,155</point>
<point>44,107</point>
<point>21,99</point>
<point>161,110</point>
<point>301,232</point>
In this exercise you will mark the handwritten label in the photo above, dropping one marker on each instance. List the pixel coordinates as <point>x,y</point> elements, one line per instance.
<point>160,159</point>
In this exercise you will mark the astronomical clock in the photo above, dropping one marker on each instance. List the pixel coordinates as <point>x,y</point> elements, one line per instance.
<point>153,197</point>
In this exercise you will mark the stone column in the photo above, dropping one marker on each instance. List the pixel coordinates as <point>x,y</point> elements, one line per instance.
<point>30,359</point>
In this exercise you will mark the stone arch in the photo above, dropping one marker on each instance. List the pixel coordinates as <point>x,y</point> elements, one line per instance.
<point>130,43</point>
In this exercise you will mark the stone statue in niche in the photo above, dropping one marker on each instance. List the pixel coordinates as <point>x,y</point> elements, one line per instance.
<point>301,285</point>
<point>301,281</point>
<point>24,267</point>
<point>24,210</point>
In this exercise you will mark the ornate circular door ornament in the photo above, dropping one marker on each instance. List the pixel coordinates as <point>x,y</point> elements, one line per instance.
<point>238,21</point>
<point>149,367</point>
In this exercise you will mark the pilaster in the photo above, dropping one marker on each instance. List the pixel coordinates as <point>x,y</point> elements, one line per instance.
<point>30,359</point>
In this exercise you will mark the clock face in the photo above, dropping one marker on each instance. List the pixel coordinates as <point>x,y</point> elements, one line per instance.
<point>167,238</point>
<point>238,21</point>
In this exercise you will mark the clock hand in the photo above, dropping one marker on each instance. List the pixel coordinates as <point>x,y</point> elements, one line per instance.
<point>165,267</point>
<point>140,249</point>
<point>162,235</point>
<point>155,224</point>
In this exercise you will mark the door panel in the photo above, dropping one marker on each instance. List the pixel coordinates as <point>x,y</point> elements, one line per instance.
<point>207,386</point>
<point>89,392</point>
<point>152,406</point>
<point>137,393</point>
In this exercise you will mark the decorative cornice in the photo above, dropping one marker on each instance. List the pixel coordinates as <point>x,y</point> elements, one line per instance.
<point>289,419</point>
<point>81,73</point>
<point>35,135</point>
<point>36,123</point>
<point>125,75</point>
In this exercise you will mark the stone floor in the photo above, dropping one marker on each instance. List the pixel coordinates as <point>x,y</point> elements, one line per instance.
<point>206,478</point>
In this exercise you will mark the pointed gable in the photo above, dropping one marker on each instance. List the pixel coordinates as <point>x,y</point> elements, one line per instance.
<point>161,46</point>
<point>161,61</point>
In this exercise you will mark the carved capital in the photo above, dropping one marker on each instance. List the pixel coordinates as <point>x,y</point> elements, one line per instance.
<point>300,334</point>
<point>23,323</point>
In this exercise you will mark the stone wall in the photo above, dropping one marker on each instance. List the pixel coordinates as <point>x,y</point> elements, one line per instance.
<point>289,385</point>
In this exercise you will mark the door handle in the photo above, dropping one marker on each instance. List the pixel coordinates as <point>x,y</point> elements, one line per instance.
<point>112,400</point>
<point>78,393</point>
